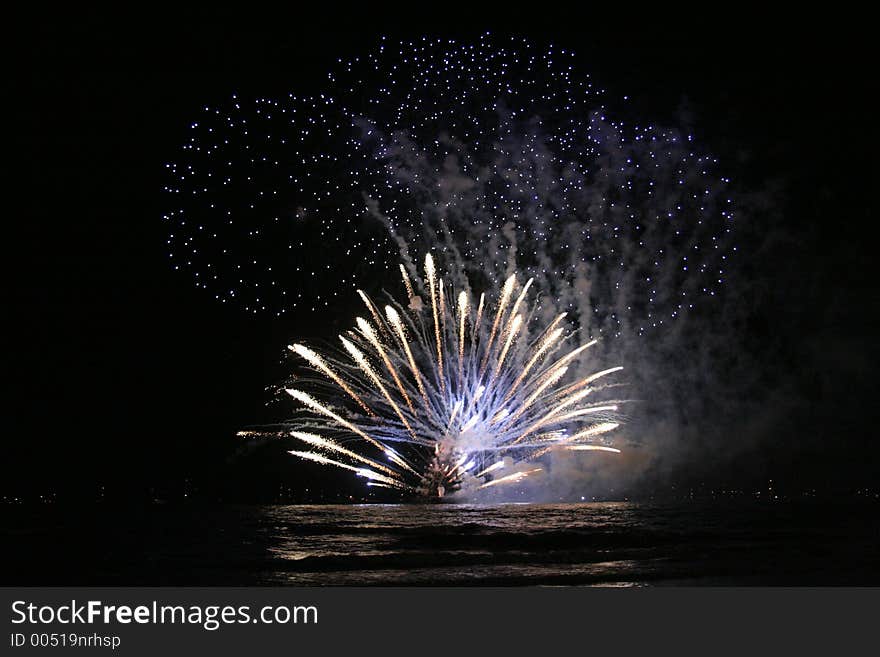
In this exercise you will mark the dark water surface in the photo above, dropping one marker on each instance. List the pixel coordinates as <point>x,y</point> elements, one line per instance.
<point>611,544</point>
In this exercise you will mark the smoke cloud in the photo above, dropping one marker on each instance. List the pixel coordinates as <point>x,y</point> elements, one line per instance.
<point>634,237</point>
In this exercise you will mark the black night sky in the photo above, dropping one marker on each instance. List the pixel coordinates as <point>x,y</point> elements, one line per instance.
<point>120,374</point>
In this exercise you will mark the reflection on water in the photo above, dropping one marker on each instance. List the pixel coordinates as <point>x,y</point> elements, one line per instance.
<point>613,543</point>
<point>608,544</point>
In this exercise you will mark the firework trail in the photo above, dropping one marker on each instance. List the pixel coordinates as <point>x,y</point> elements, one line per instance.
<point>437,397</point>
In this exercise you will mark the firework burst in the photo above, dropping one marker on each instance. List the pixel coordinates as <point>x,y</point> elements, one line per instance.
<point>449,393</point>
<point>494,151</point>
